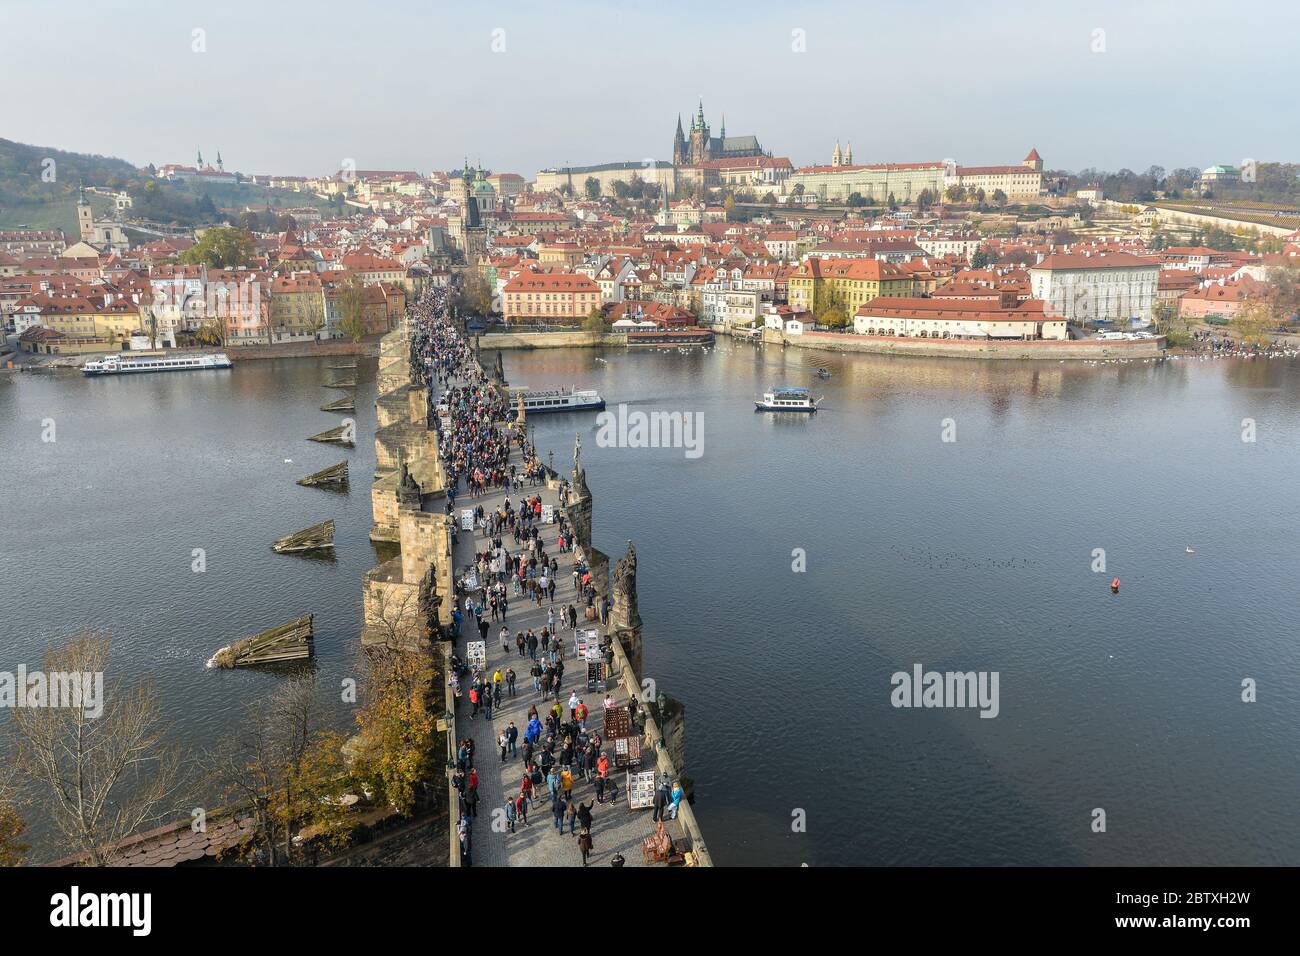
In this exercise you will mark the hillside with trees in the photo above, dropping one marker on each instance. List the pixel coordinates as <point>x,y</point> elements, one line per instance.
<point>1274,183</point>
<point>38,190</point>
<point>38,185</point>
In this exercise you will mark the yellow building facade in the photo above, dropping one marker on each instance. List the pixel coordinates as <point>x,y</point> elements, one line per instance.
<point>845,284</point>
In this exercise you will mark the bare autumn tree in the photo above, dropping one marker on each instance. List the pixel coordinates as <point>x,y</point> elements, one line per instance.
<point>285,767</point>
<point>99,778</point>
<point>12,850</point>
<point>1283,291</point>
<point>1251,323</point>
<point>352,310</point>
<point>393,618</point>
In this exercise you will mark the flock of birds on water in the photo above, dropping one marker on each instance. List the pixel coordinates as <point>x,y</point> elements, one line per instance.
<point>951,560</point>
<point>1207,356</point>
<point>1275,351</point>
<point>943,561</point>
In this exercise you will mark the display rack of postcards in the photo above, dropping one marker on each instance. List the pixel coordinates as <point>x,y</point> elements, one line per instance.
<point>586,643</point>
<point>627,753</point>
<point>618,722</point>
<point>641,790</point>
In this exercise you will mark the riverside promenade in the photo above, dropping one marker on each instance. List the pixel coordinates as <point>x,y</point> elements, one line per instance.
<point>616,829</point>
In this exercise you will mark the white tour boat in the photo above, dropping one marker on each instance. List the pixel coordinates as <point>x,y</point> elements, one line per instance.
<point>131,365</point>
<point>787,400</point>
<point>562,400</point>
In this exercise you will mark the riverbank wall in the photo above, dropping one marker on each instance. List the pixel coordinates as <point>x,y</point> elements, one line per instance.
<point>367,348</point>
<point>550,340</point>
<point>252,353</point>
<point>1036,350</point>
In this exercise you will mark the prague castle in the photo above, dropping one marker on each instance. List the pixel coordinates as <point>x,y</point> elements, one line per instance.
<point>702,148</point>
<point>700,161</point>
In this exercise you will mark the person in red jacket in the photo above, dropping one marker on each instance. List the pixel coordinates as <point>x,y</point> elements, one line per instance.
<point>602,776</point>
<point>580,714</point>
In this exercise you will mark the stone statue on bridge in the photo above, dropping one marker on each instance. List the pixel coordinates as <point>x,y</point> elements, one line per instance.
<point>625,613</point>
<point>624,616</point>
<point>579,482</point>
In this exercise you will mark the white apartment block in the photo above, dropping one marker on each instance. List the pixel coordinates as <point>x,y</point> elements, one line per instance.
<point>1086,287</point>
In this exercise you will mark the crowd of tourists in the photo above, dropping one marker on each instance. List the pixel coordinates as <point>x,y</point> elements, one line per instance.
<point>556,749</point>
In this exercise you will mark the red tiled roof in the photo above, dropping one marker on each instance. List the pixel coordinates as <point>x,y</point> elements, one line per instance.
<point>551,282</point>
<point>1103,260</point>
<point>871,270</point>
<point>890,167</point>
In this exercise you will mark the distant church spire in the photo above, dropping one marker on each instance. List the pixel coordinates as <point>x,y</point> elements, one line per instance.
<point>219,165</point>
<point>848,155</point>
<point>837,157</point>
<point>200,159</point>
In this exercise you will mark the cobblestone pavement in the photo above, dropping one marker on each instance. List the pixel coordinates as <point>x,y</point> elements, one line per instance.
<point>615,827</point>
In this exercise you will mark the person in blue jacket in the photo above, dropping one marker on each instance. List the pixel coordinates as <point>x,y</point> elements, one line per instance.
<point>534,731</point>
<point>675,801</point>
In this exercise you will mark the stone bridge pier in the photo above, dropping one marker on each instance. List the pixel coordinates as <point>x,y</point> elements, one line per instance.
<point>408,598</point>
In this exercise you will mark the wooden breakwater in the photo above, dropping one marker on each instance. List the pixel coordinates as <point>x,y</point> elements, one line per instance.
<point>332,477</point>
<point>347,403</point>
<point>319,537</point>
<point>343,435</point>
<point>288,642</point>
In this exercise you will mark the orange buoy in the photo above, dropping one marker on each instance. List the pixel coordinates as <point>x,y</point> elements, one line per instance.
<point>1114,585</point>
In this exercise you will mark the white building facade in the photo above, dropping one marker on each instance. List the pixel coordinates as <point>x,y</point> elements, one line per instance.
<point>1103,287</point>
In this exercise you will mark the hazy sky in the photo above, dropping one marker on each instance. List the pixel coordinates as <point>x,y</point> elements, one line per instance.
<point>295,88</point>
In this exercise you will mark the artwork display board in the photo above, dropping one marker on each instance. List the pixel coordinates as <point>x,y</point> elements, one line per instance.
<point>641,790</point>
<point>586,640</point>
